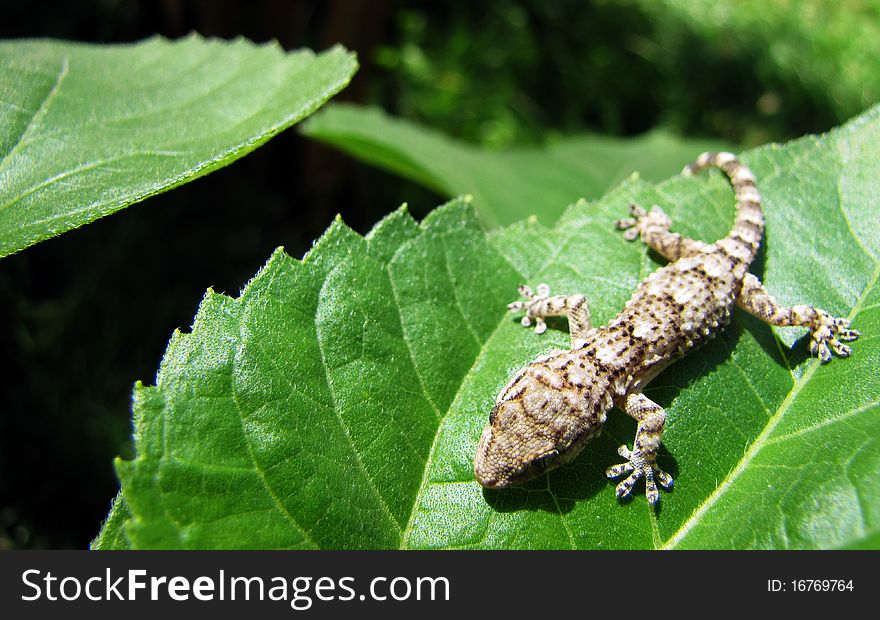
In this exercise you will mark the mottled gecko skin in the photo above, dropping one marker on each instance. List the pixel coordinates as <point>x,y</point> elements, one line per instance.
<point>552,407</point>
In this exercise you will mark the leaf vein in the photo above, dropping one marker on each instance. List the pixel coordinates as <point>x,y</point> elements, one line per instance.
<point>409,349</point>
<point>432,452</point>
<point>261,476</point>
<point>824,423</point>
<point>39,113</point>
<point>348,436</point>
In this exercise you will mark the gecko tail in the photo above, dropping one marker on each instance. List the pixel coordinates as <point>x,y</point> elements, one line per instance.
<point>748,227</point>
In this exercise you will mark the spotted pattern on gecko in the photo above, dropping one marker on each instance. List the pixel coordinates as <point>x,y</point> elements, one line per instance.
<point>551,408</point>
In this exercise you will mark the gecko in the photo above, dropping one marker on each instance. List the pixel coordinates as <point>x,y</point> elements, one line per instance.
<point>550,409</point>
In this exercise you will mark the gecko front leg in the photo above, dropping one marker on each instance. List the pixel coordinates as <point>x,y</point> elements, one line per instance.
<point>541,304</point>
<point>642,459</point>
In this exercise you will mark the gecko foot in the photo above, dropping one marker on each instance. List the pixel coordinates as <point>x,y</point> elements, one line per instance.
<point>828,333</point>
<point>532,302</point>
<point>642,220</point>
<point>638,466</point>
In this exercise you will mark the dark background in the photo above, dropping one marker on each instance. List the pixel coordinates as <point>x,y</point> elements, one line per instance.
<point>84,315</point>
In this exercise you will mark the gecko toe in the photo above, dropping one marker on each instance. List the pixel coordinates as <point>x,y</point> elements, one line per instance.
<point>651,491</point>
<point>636,210</point>
<point>624,489</point>
<point>848,335</point>
<point>663,478</point>
<point>840,349</point>
<point>618,470</point>
<point>631,234</point>
<point>532,302</point>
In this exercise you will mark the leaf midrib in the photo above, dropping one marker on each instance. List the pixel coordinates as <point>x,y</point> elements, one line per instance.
<point>404,541</point>
<point>345,427</point>
<point>407,532</point>
<point>261,475</point>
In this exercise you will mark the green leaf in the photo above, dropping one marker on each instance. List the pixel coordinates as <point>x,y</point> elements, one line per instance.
<point>506,186</point>
<point>86,130</point>
<point>337,403</point>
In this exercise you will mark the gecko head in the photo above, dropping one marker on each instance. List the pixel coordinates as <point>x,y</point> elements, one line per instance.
<point>511,450</point>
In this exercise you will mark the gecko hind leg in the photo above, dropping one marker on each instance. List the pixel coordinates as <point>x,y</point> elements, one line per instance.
<point>642,459</point>
<point>826,331</point>
<point>653,227</point>
<point>540,304</point>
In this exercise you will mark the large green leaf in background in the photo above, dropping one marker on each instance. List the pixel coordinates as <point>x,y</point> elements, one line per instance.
<point>86,130</point>
<point>337,403</point>
<point>506,186</point>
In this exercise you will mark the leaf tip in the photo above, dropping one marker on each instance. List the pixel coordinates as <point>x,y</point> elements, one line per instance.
<point>351,55</point>
<point>338,235</point>
<point>453,214</point>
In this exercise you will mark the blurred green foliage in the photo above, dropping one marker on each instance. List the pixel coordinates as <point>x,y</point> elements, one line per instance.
<point>746,71</point>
